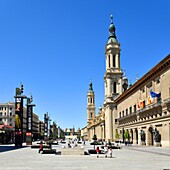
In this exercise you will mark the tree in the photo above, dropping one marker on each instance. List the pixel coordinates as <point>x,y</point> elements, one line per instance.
<point>126,134</point>
<point>117,134</point>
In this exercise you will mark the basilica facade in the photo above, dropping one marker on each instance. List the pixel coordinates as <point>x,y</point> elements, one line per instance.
<point>139,113</point>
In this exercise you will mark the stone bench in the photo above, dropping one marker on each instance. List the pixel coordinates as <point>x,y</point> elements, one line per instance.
<point>49,151</point>
<point>72,151</point>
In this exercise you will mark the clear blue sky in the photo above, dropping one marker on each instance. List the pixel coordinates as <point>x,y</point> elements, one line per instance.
<point>56,47</point>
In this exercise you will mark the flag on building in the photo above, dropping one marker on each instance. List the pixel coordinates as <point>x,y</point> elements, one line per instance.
<point>138,104</point>
<point>150,100</point>
<point>142,104</point>
<point>153,94</point>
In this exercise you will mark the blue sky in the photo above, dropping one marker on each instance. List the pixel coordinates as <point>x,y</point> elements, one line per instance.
<point>56,47</point>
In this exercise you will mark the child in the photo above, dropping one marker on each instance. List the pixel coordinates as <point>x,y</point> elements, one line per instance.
<point>110,152</point>
<point>97,150</point>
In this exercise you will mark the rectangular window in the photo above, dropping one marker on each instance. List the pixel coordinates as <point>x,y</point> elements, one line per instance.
<point>123,113</point>
<point>130,110</point>
<point>143,104</point>
<point>114,61</point>
<point>126,112</point>
<point>134,108</point>
<point>114,87</point>
<point>109,60</point>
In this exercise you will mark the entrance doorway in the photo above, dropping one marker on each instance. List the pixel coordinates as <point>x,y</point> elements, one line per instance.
<point>150,136</point>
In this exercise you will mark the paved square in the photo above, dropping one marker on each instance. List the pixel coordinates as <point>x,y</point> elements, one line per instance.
<point>127,158</point>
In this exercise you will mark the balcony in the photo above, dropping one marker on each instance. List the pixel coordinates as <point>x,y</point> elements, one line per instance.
<point>138,112</point>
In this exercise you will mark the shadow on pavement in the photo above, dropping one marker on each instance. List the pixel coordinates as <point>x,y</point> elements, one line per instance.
<point>5,148</point>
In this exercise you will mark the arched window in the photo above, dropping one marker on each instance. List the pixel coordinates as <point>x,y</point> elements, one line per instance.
<point>114,87</point>
<point>114,62</point>
<point>109,60</point>
<point>91,115</point>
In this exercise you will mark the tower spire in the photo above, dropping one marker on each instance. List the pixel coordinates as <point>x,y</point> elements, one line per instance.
<point>111,17</point>
<point>112,35</point>
<point>90,86</point>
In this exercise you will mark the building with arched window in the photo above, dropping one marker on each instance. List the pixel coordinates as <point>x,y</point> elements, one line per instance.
<point>141,110</point>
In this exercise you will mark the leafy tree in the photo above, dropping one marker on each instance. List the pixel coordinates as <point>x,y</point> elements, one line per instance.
<point>126,134</point>
<point>117,134</point>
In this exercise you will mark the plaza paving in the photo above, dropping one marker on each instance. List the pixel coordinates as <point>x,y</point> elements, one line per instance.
<point>128,158</point>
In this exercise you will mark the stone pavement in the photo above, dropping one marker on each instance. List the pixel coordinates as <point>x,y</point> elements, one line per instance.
<point>128,158</point>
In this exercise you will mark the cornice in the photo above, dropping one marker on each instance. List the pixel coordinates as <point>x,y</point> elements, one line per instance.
<point>161,66</point>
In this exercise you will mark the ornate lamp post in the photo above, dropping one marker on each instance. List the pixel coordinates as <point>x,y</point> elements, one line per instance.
<point>29,120</point>
<point>19,97</point>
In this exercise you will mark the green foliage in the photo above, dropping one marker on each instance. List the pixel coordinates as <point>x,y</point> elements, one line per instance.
<point>94,137</point>
<point>117,134</point>
<point>126,134</point>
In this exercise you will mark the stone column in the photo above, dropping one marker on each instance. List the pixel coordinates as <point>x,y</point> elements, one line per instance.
<point>108,125</point>
<point>117,60</point>
<point>111,60</point>
<point>139,138</point>
<point>134,136</point>
<point>147,136</point>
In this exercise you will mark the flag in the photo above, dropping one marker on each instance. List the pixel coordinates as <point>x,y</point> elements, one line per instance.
<point>142,104</point>
<point>150,100</point>
<point>153,94</point>
<point>138,104</point>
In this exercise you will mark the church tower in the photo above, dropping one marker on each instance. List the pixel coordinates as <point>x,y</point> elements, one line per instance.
<point>90,104</point>
<point>112,80</point>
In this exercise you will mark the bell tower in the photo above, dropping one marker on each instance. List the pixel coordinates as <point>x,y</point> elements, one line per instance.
<point>113,74</point>
<point>90,104</point>
<point>112,80</point>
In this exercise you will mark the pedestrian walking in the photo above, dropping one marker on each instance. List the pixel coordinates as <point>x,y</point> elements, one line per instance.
<point>110,152</point>
<point>97,150</point>
<point>41,148</point>
<point>105,150</point>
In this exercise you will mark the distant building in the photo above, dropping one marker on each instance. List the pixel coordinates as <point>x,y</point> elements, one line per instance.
<point>70,133</point>
<point>7,117</point>
<point>41,130</point>
<point>139,113</point>
<point>7,114</point>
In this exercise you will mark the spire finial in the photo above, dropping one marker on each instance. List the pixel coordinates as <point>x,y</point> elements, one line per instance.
<point>90,86</point>
<point>124,73</point>
<point>111,17</point>
<point>137,77</point>
<point>112,35</point>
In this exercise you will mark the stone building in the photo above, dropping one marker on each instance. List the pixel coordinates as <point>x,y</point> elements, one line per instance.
<point>7,117</point>
<point>139,113</point>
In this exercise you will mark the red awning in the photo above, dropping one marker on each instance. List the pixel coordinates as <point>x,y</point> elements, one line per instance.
<point>6,126</point>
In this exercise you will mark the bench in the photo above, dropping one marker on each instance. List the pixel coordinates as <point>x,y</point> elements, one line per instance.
<point>38,146</point>
<point>49,151</point>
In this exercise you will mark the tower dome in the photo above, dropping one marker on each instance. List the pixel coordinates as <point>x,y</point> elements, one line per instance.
<point>112,29</point>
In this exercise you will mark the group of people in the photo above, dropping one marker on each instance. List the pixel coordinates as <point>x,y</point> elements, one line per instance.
<point>106,151</point>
